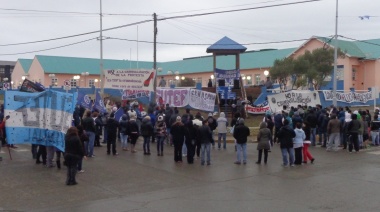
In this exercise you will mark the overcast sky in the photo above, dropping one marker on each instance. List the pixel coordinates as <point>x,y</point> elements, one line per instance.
<point>273,24</point>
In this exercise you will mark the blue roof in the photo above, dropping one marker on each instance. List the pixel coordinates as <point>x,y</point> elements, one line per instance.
<point>226,44</point>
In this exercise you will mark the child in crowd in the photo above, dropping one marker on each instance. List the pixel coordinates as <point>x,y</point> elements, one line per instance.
<point>306,145</point>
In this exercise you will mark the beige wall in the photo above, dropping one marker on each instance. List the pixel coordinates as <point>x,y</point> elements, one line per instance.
<point>17,74</point>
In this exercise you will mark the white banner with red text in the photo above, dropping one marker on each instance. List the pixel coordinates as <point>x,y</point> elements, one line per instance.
<point>130,79</point>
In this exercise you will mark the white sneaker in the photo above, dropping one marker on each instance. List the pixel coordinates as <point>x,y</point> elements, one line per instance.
<point>81,171</point>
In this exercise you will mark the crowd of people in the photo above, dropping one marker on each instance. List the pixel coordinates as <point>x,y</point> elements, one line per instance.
<point>294,129</point>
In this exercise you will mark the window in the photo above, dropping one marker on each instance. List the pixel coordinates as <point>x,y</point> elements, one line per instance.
<point>73,82</point>
<point>54,81</point>
<point>249,80</point>
<point>257,79</point>
<point>91,83</point>
<point>353,74</point>
<point>2,70</point>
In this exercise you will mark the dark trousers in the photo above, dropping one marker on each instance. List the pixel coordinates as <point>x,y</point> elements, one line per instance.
<point>41,152</point>
<point>275,134</point>
<point>190,151</point>
<point>34,151</point>
<point>72,165</point>
<point>178,150</point>
<point>298,156</point>
<point>353,142</point>
<point>111,142</point>
<point>153,138</point>
<point>146,144</point>
<point>261,154</point>
<point>97,140</point>
<point>198,149</point>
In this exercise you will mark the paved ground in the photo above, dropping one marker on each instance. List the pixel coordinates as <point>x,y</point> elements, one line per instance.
<point>134,182</point>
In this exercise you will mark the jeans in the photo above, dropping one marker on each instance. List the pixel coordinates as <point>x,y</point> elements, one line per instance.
<point>285,152</point>
<point>360,139</point>
<point>334,141</point>
<point>205,148</point>
<point>105,135</point>
<point>124,140</point>
<point>160,144</point>
<point>220,136</point>
<point>312,136</point>
<point>375,137</point>
<point>323,138</point>
<point>146,144</point>
<point>90,144</point>
<point>241,148</point>
<point>50,150</point>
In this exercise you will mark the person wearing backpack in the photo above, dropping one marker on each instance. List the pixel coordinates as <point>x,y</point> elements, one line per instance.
<point>146,133</point>
<point>212,124</point>
<point>134,132</point>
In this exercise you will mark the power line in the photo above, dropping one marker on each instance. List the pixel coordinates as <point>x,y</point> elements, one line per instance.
<point>71,36</point>
<point>205,44</point>
<point>236,10</point>
<point>71,12</point>
<point>161,19</point>
<point>58,47</point>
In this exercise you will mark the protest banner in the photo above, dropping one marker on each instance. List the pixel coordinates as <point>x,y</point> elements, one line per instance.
<point>348,97</point>
<point>258,109</point>
<point>38,118</point>
<point>134,94</point>
<point>131,79</point>
<point>228,75</point>
<point>293,98</point>
<point>202,100</point>
<point>178,97</point>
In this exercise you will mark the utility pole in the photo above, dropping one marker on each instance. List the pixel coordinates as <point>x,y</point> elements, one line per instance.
<point>101,51</point>
<point>335,56</point>
<point>153,100</point>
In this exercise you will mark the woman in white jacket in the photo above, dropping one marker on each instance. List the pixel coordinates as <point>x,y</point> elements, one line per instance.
<point>222,129</point>
<point>298,143</point>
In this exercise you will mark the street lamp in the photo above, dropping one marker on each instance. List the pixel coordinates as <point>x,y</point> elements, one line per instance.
<point>85,74</point>
<point>176,73</point>
<point>23,77</point>
<point>266,73</point>
<point>96,81</point>
<point>12,84</point>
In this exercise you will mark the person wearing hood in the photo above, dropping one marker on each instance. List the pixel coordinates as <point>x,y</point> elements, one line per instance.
<point>146,133</point>
<point>241,133</point>
<point>298,143</point>
<point>160,132</point>
<point>263,138</point>
<point>134,132</point>
<point>347,121</point>
<point>353,131</point>
<point>285,136</point>
<point>123,130</point>
<point>73,153</point>
<point>112,126</point>
<point>204,137</point>
<point>222,129</point>
<point>178,135</point>
<point>323,120</point>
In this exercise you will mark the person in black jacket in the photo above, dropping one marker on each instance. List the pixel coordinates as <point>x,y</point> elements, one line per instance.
<point>285,136</point>
<point>178,134</point>
<point>88,124</point>
<point>190,140</point>
<point>312,121</point>
<point>73,153</point>
<point>205,137</point>
<point>112,126</point>
<point>241,133</point>
<point>99,129</point>
<point>146,133</point>
<point>353,131</point>
<point>133,132</point>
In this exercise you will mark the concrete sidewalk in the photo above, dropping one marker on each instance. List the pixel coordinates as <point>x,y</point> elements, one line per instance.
<point>338,181</point>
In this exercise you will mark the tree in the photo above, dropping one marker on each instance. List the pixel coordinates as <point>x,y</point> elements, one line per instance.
<point>312,67</point>
<point>282,70</point>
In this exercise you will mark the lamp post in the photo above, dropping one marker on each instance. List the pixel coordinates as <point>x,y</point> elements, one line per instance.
<point>85,74</point>
<point>212,80</point>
